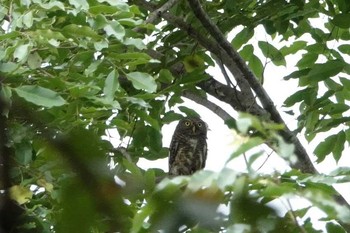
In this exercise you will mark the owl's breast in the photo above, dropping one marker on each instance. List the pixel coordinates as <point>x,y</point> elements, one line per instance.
<point>193,142</point>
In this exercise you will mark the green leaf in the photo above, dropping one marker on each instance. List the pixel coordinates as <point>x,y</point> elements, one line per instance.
<point>344,48</point>
<point>77,31</point>
<point>325,147</point>
<point>165,76</point>
<point>246,146</point>
<point>28,19</point>
<point>80,4</point>
<point>140,218</point>
<point>346,83</point>
<point>40,96</point>
<point>339,145</point>
<point>293,48</point>
<point>299,96</point>
<point>111,85</point>
<point>21,52</point>
<point>132,55</point>
<point>34,60</point>
<point>188,111</point>
<point>103,9</point>
<point>115,29</point>
<point>55,5</point>
<point>142,81</point>
<point>323,71</point>
<point>10,35</point>
<point>20,194</point>
<point>242,37</point>
<point>193,62</point>
<point>342,20</point>
<point>24,152</point>
<point>307,60</point>
<point>256,66</point>
<point>271,52</point>
<point>334,228</point>
<point>138,43</point>
<point>247,52</point>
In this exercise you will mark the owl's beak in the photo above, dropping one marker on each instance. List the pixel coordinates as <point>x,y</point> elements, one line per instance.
<point>194,129</point>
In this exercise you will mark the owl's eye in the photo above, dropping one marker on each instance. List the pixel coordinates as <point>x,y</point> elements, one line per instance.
<point>187,123</point>
<point>199,124</point>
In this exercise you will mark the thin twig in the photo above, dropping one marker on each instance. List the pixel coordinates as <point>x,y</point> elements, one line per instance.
<point>268,156</point>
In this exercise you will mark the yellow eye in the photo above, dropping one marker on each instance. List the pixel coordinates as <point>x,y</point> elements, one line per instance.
<point>199,124</point>
<point>187,123</point>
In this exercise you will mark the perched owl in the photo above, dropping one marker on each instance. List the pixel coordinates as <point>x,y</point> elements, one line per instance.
<point>188,147</point>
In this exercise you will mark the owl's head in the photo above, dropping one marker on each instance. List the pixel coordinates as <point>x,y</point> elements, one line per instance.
<point>193,126</point>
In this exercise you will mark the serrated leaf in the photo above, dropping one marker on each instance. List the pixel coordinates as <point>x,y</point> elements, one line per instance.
<point>40,96</point>
<point>142,81</point>
<point>111,85</point>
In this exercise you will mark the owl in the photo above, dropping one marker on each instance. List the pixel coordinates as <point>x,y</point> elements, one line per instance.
<point>188,147</point>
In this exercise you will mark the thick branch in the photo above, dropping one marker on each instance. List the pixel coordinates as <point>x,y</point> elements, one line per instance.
<point>208,104</point>
<point>304,163</point>
<point>152,17</point>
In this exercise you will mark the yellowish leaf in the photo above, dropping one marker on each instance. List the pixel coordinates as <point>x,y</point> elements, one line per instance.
<point>20,194</point>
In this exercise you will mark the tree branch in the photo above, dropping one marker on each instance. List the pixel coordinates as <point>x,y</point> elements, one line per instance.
<point>304,163</point>
<point>208,104</point>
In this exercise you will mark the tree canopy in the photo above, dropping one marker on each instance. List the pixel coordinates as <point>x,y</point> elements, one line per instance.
<point>72,70</point>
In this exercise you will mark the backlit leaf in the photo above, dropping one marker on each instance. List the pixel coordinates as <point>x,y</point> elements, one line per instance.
<point>142,81</point>
<point>271,52</point>
<point>115,29</point>
<point>21,52</point>
<point>111,84</point>
<point>326,147</point>
<point>20,194</point>
<point>323,71</point>
<point>40,96</point>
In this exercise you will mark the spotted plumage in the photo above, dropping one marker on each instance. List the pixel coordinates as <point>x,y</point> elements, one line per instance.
<point>188,147</point>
